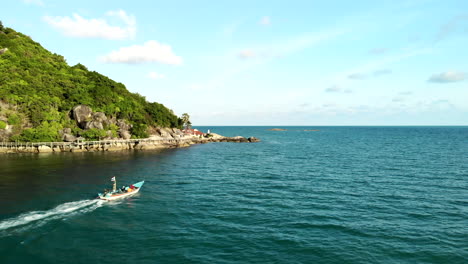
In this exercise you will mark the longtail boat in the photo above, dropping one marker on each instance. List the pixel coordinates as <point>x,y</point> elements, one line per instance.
<point>120,193</point>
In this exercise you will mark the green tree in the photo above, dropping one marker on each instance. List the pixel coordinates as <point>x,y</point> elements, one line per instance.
<point>94,134</point>
<point>186,121</point>
<point>1,26</point>
<point>140,131</point>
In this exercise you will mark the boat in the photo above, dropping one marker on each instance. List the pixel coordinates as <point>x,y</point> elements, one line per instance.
<point>121,193</point>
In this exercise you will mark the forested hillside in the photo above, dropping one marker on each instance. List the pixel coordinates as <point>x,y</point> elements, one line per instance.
<point>38,91</point>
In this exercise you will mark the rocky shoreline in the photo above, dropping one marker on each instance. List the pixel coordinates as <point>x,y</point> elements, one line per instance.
<point>173,140</point>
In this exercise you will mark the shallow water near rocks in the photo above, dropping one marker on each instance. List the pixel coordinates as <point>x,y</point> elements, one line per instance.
<point>337,195</point>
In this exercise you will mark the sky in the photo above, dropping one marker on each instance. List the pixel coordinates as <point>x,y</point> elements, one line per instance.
<point>269,62</point>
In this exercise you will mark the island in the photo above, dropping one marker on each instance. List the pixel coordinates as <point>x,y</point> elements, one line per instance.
<point>47,105</point>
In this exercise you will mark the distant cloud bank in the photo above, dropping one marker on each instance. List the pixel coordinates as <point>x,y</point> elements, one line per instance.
<point>80,27</point>
<point>150,51</point>
<point>448,77</point>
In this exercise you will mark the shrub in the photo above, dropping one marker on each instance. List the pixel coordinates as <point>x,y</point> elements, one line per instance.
<point>94,134</point>
<point>14,119</point>
<point>140,131</point>
<point>2,125</point>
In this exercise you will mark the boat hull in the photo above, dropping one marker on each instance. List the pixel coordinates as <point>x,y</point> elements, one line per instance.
<point>116,196</point>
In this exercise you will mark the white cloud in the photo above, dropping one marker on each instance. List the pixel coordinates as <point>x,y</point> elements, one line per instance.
<point>447,77</point>
<point>150,51</point>
<point>357,76</point>
<point>80,27</point>
<point>34,2</point>
<point>247,54</point>
<point>333,89</point>
<point>265,21</point>
<point>337,89</point>
<point>156,76</point>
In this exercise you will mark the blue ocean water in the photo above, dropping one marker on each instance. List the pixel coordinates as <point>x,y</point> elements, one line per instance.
<point>337,195</point>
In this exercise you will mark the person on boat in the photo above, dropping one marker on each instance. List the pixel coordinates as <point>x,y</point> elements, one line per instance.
<point>122,189</point>
<point>114,186</point>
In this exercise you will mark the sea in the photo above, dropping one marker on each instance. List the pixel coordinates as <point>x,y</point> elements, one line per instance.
<point>304,195</point>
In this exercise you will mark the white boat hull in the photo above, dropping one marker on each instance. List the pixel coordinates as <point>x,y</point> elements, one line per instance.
<point>116,196</point>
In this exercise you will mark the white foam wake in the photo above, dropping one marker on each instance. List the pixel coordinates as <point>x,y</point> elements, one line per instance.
<point>61,211</point>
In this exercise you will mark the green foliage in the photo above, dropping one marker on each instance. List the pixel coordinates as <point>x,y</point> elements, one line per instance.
<point>140,131</point>
<point>1,26</point>
<point>114,130</point>
<point>46,132</point>
<point>14,119</point>
<point>44,88</point>
<point>94,134</point>
<point>186,120</point>
<point>2,125</point>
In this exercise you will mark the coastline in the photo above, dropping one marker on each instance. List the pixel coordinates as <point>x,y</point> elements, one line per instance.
<point>117,145</point>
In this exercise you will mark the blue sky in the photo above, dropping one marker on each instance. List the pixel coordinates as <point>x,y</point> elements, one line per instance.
<point>269,62</point>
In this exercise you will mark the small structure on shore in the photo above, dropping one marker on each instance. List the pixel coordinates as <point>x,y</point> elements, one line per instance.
<point>193,132</point>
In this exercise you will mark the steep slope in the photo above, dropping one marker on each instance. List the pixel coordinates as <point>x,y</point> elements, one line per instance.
<point>38,91</point>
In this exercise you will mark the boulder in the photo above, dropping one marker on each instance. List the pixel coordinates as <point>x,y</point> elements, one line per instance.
<point>101,118</point>
<point>238,139</point>
<point>94,124</point>
<point>81,114</point>
<point>99,121</point>
<point>44,149</point>
<point>68,137</point>
<point>165,132</point>
<point>125,134</point>
<point>3,50</point>
<point>66,130</point>
<point>123,125</point>
<point>253,139</point>
<point>177,131</point>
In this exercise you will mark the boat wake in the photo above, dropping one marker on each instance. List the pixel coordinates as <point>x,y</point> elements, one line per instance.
<point>39,218</point>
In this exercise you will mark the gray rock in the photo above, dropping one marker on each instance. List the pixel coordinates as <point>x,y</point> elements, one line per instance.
<point>164,132</point>
<point>82,114</point>
<point>94,124</point>
<point>99,121</point>
<point>100,117</point>
<point>44,149</point>
<point>3,50</point>
<point>109,134</point>
<point>68,138</point>
<point>253,139</point>
<point>66,130</point>
<point>125,134</point>
<point>123,125</point>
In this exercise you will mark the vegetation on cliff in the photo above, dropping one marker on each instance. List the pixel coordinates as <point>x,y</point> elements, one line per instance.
<point>38,90</point>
